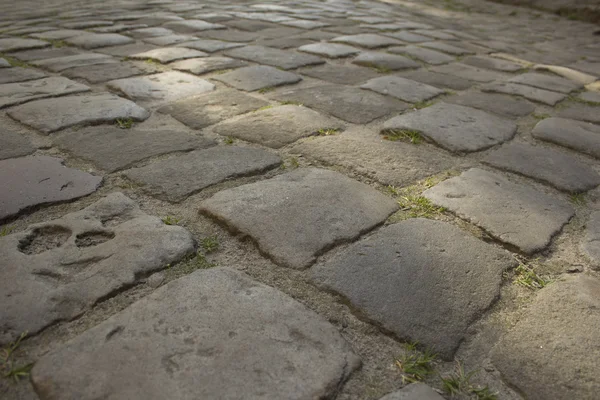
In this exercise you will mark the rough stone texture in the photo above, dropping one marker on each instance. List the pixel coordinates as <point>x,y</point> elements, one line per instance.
<point>41,54</point>
<point>210,46</point>
<point>408,37</point>
<point>34,180</point>
<point>59,34</point>
<point>259,342</point>
<point>13,144</point>
<point>201,111</point>
<point>275,127</point>
<point>581,112</point>
<point>4,63</point>
<point>331,50</point>
<point>425,55</point>
<point>384,61</point>
<point>553,351</point>
<point>277,58</point>
<point>112,149</point>
<point>106,72</point>
<point>149,32</point>
<point>447,48</point>
<point>59,64</point>
<point>257,77</point>
<point>593,97</point>
<point>169,40</point>
<point>350,104</point>
<point>50,115</point>
<point>576,135</point>
<point>506,106</point>
<point>438,80</point>
<point>468,72</point>
<point>230,35</point>
<point>168,54</point>
<point>492,63</point>
<point>176,178</point>
<point>424,280</point>
<point>15,44</point>
<point>547,82</point>
<point>21,92</point>
<point>557,168</point>
<point>58,269</point>
<point>414,391</point>
<point>19,74</point>
<point>161,88</point>
<point>368,40</point>
<point>456,128</point>
<point>402,88</point>
<point>529,92</point>
<point>285,43</point>
<point>95,40</point>
<point>192,25</point>
<point>201,66</point>
<point>513,213</point>
<point>590,245</point>
<point>341,74</point>
<point>126,50</point>
<point>297,216</point>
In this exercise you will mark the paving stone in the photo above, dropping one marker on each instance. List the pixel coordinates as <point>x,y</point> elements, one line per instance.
<point>425,55</point>
<point>305,24</point>
<point>447,48</point>
<point>384,61</point>
<point>408,37</point>
<point>576,135</point>
<point>331,50</point>
<point>529,92</point>
<point>438,80</point>
<point>456,128</point>
<point>414,391</point>
<point>492,63</point>
<point>348,103</point>
<point>581,112</point>
<point>168,54</point>
<point>56,270</point>
<point>261,342</point>
<point>169,40</point>
<point>468,72</point>
<point>4,63</point>
<point>15,44</point>
<point>278,126</point>
<point>201,66</point>
<point>50,115</point>
<point>154,31</point>
<point>13,144</point>
<point>257,77</point>
<point>368,40</point>
<point>210,45</point>
<point>547,82</point>
<point>62,63</point>
<point>512,213</point>
<point>192,25</point>
<point>113,149</point>
<point>593,97</point>
<point>285,43</point>
<point>314,35</point>
<point>402,88</point>
<point>161,88</point>
<point>342,74</point>
<point>35,180</point>
<point>176,178</point>
<point>552,352</point>
<point>20,74</point>
<point>409,278</point>
<point>277,58</point>
<point>230,35</point>
<point>40,54</point>
<point>297,216</point>
<point>107,72</point>
<point>589,246</point>
<point>201,111</point>
<point>126,50</point>
<point>95,40</point>
<point>85,24</point>
<point>506,106</point>
<point>59,34</point>
<point>21,92</point>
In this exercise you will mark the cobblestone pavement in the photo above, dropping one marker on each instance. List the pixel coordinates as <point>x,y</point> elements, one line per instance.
<point>298,200</point>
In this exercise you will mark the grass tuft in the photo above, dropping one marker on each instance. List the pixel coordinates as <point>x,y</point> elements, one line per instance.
<point>266,89</point>
<point>6,230</point>
<point>405,135</point>
<point>419,206</point>
<point>526,276</point>
<point>422,104</point>
<point>264,107</point>
<point>124,123</point>
<point>171,220</point>
<point>229,140</point>
<point>7,364</point>
<point>578,199</point>
<point>328,131</point>
<point>415,365</point>
<point>540,117</point>
<point>210,244</point>
<point>459,383</point>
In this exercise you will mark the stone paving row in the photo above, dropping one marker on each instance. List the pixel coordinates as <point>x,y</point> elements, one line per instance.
<point>298,200</point>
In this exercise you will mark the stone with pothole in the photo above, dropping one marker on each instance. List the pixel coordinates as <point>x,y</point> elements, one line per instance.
<point>34,180</point>
<point>468,72</point>
<point>50,115</point>
<point>107,72</point>
<point>13,144</point>
<point>446,48</point>
<point>348,103</point>
<point>402,88</point>
<point>176,178</point>
<point>20,74</point>
<point>547,82</point>
<point>210,46</point>
<point>368,40</point>
<point>257,77</point>
<point>553,351</point>
<point>161,88</point>
<point>456,128</point>
<point>21,92</point>
<point>201,111</point>
<point>331,50</point>
<point>384,61</point>
<point>414,391</point>
<point>299,215</point>
<point>56,270</point>
<point>576,135</point>
<point>438,80</point>
<point>492,63</point>
<point>581,112</point>
<point>512,213</point>
<point>341,74</point>
<point>214,334</point>
<point>168,54</point>
<point>192,25</point>
<point>529,92</point>
<point>277,126</point>
<point>15,44</point>
<point>592,237</point>
<point>95,40</point>
<point>557,168</point>
<point>113,149</point>
<point>59,64</point>
<point>423,280</point>
<point>425,55</point>
<point>284,59</point>
<point>500,104</point>
<point>199,66</point>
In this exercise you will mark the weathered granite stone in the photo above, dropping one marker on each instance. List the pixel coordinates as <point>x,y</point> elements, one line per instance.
<point>154,31</point>
<point>529,92</point>
<point>409,278</point>
<point>384,61</point>
<point>456,128</point>
<point>593,97</point>
<point>506,106</point>
<point>21,92</point>
<point>59,34</point>
<point>447,48</point>
<point>559,169</point>
<point>34,180</point>
<point>113,149</point>
<point>257,77</point>
<point>512,213</point>
<point>342,74</point>
<point>201,66</point>
<point>331,50</point>
<point>13,144</point>
<point>126,50</point>
<point>230,35</point>
<point>553,351</point>
<point>285,43</point>
<point>414,391</point>
<point>576,135</point>
<point>169,39</point>
<point>15,44</point>
<point>201,111</point>
<point>305,24</point>
<point>53,114</point>
<point>438,80</point>
<point>436,34</point>
<point>107,72</point>
<point>168,54</point>
<point>4,63</point>
<point>176,178</point>
<point>402,88</point>
<point>547,82</point>
<point>368,40</point>
<point>58,269</point>
<point>20,74</point>
<point>408,37</point>
<point>59,64</point>
<point>468,72</point>
<point>284,59</point>
<point>259,343</point>
<point>192,25</point>
<point>41,54</point>
<point>581,112</point>
<point>210,45</point>
<point>492,63</point>
<point>85,24</point>
<point>95,40</point>
<point>425,55</point>
<point>590,246</point>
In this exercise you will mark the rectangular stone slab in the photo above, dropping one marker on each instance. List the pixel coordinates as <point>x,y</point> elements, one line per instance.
<point>22,92</point>
<point>577,135</point>
<point>277,58</point>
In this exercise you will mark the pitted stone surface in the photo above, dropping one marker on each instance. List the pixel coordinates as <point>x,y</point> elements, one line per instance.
<point>95,40</point>
<point>529,92</point>
<point>19,74</point>
<point>468,72</point>
<point>168,54</point>
<point>249,332</point>
<point>176,178</point>
<point>581,112</point>
<point>161,88</point>
<point>21,92</point>
<point>113,149</point>
<point>553,351</point>
<point>331,50</point>
<point>409,277</point>
<point>492,63</point>
<point>547,82</point>
<point>192,25</point>
<point>50,115</point>
<point>284,59</point>
<point>257,77</point>
<point>402,88</point>
<point>438,80</point>
<point>576,135</point>
<point>513,213</point>
<point>456,128</point>
<point>350,104</point>
<point>275,127</point>
<point>15,44</point>
<point>59,64</point>
<point>107,72</point>
<point>13,144</point>
<point>199,66</point>
<point>210,46</point>
<point>34,180</point>
<point>341,74</point>
<point>296,216</point>
<point>506,106</point>
<point>425,55</point>
<point>58,269</point>
<point>414,391</point>
<point>384,61</point>
<point>368,40</point>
